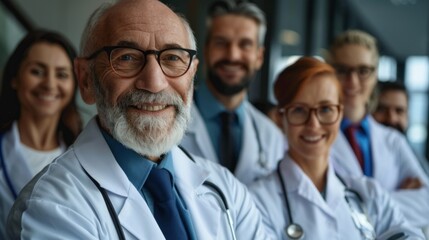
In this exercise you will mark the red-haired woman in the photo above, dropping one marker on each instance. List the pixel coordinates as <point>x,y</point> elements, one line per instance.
<point>304,198</point>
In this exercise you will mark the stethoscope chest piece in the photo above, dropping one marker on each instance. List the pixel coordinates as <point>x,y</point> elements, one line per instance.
<point>294,231</point>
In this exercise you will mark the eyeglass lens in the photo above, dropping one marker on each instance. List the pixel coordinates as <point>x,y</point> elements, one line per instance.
<point>127,62</point>
<point>327,114</point>
<point>363,72</point>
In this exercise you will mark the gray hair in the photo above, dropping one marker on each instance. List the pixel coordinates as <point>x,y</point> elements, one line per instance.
<point>87,40</point>
<point>245,9</point>
<point>88,36</point>
<point>191,36</point>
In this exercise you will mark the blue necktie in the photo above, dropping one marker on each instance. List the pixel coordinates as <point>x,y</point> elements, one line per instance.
<point>159,183</point>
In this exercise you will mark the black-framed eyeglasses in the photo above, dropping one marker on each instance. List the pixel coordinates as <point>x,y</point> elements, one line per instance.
<point>127,62</point>
<point>363,72</point>
<point>298,114</point>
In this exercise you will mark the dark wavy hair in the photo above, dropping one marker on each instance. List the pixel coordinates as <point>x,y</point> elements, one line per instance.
<point>70,122</point>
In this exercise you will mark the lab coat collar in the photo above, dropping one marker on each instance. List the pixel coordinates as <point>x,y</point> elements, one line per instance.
<point>202,140</point>
<point>345,159</point>
<point>190,180</point>
<point>189,175</point>
<point>96,158</point>
<point>297,182</point>
<point>14,160</point>
<point>335,189</point>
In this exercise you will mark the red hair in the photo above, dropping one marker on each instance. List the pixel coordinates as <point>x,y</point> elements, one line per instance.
<point>291,78</point>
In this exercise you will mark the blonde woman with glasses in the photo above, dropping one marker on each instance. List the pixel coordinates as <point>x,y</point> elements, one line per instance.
<point>365,147</point>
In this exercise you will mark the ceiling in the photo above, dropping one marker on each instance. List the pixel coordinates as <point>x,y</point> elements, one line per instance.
<point>401,26</point>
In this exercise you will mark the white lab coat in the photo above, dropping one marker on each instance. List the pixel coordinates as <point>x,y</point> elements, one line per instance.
<point>62,201</point>
<point>18,169</point>
<point>393,161</point>
<point>249,167</point>
<point>325,219</point>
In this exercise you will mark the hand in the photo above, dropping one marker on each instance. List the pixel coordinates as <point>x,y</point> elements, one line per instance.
<point>411,183</point>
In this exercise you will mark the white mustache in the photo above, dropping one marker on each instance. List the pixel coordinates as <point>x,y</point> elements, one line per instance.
<point>136,98</point>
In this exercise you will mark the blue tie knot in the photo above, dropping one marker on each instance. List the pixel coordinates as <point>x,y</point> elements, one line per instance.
<point>159,183</point>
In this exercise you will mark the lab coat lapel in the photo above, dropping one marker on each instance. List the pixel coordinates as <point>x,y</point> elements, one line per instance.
<point>14,160</point>
<point>380,165</point>
<point>100,164</point>
<point>334,190</point>
<point>103,167</point>
<point>249,150</point>
<point>297,183</point>
<point>197,137</point>
<point>136,217</point>
<point>204,209</point>
<point>343,158</point>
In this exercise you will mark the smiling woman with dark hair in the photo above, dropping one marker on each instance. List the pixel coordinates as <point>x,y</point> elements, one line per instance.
<point>39,118</point>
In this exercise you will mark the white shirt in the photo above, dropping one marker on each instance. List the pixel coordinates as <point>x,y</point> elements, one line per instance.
<point>37,160</point>
<point>21,165</point>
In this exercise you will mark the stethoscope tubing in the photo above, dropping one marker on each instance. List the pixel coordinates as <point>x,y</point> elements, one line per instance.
<point>117,223</point>
<point>262,160</point>
<point>282,183</point>
<point>225,204</point>
<point>292,230</point>
<point>219,193</point>
<point>110,208</point>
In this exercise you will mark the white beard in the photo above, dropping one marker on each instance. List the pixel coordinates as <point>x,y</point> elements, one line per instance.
<point>147,135</point>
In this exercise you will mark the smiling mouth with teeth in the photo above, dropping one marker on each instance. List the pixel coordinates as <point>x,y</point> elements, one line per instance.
<point>312,138</point>
<point>151,108</point>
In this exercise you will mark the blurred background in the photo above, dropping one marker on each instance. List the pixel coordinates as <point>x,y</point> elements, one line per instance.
<point>295,28</point>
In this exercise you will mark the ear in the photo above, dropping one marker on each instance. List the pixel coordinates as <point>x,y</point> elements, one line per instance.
<point>260,57</point>
<point>194,66</point>
<point>84,79</point>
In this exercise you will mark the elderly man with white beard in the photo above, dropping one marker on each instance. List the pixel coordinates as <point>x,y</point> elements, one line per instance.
<point>125,176</point>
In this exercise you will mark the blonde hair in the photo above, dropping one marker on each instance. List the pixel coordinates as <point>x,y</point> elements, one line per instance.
<point>356,37</point>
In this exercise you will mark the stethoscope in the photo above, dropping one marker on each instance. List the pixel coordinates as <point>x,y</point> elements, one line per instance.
<point>5,172</point>
<point>262,160</point>
<point>354,200</point>
<point>219,196</point>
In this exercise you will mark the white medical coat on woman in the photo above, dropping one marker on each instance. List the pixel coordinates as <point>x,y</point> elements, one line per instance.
<point>320,218</point>
<point>62,201</point>
<point>393,161</point>
<point>18,170</point>
<point>249,166</point>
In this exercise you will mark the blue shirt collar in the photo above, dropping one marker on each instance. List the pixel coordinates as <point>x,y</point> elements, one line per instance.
<point>210,107</point>
<point>363,124</point>
<point>135,166</point>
